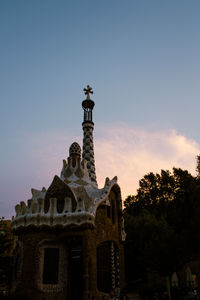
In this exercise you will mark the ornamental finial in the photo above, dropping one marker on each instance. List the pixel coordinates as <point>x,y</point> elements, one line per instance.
<point>88,91</point>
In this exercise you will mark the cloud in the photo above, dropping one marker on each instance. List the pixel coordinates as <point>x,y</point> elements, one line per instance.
<point>129,153</point>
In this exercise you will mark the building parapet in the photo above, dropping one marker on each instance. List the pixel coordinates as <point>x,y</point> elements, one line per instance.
<point>34,214</point>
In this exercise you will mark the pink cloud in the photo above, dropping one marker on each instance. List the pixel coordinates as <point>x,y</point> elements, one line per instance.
<point>126,152</point>
<point>131,153</point>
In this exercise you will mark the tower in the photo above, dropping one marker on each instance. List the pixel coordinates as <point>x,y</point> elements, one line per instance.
<point>88,126</point>
<point>70,236</point>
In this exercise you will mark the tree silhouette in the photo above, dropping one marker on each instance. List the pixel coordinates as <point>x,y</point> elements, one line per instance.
<point>160,221</point>
<point>6,243</point>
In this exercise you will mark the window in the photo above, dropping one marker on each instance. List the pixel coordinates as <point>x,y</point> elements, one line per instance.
<point>113,212</point>
<point>51,265</point>
<point>108,267</point>
<point>108,211</point>
<point>104,268</point>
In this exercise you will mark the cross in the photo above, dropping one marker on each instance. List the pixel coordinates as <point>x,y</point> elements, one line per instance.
<point>88,91</point>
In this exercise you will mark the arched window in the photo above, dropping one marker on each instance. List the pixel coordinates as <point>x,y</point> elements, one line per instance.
<point>114,206</point>
<point>108,269</point>
<point>108,211</point>
<point>113,211</point>
<point>104,268</point>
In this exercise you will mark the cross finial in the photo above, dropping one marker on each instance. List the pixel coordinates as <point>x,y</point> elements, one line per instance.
<point>88,91</point>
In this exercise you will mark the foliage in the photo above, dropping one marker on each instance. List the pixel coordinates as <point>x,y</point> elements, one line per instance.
<point>198,166</point>
<point>4,237</point>
<point>162,221</point>
<point>5,253</point>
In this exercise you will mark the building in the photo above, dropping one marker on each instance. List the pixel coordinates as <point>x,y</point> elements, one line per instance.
<point>70,236</point>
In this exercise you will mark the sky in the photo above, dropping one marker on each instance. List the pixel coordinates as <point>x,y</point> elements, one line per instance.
<point>142,58</point>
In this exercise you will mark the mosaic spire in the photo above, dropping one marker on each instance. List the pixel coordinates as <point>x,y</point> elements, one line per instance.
<point>88,126</point>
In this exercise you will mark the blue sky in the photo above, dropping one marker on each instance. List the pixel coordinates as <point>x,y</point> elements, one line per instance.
<point>142,59</point>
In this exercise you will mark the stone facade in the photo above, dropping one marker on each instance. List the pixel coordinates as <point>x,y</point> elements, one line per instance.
<point>70,236</point>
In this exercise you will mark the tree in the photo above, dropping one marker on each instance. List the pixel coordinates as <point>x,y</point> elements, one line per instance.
<point>166,194</point>
<point>6,243</point>
<point>158,222</point>
<point>198,167</point>
<point>152,244</point>
<point>4,237</point>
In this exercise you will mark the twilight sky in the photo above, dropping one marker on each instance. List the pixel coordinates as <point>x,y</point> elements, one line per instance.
<point>142,58</point>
